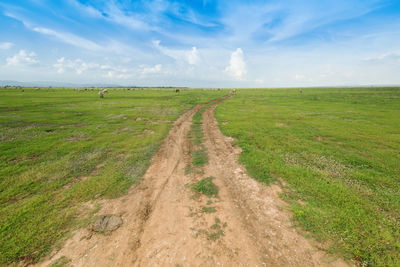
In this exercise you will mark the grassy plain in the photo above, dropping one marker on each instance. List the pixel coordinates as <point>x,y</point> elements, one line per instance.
<point>338,153</point>
<point>61,148</point>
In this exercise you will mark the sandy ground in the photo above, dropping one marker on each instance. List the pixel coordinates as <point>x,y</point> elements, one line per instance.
<point>164,225</point>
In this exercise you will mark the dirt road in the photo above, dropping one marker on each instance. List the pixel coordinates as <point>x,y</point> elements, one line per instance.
<point>164,222</point>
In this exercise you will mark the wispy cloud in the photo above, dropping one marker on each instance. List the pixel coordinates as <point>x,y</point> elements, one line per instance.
<point>68,38</point>
<point>253,43</point>
<point>6,45</point>
<point>65,37</point>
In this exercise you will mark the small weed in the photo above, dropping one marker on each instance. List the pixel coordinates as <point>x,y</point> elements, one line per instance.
<point>60,262</point>
<point>188,169</point>
<point>209,209</point>
<point>199,157</point>
<point>206,187</point>
<point>217,231</point>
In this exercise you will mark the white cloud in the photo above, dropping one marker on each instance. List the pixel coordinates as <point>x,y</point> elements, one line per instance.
<point>237,66</point>
<point>89,10</point>
<point>193,56</point>
<point>150,70</point>
<point>68,38</point>
<point>6,45</point>
<point>385,58</point>
<point>22,58</point>
<point>77,65</point>
<point>65,37</point>
<point>119,74</point>
<point>116,15</point>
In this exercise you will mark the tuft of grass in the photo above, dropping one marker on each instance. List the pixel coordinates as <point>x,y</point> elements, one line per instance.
<point>209,209</point>
<point>199,154</point>
<point>62,261</point>
<point>337,149</point>
<point>206,187</point>
<point>188,169</point>
<point>216,230</point>
<point>199,157</point>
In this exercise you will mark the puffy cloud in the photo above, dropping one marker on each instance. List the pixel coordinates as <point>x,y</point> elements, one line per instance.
<point>237,66</point>
<point>22,58</point>
<point>77,65</point>
<point>6,45</point>
<point>193,56</point>
<point>119,74</point>
<point>149,70</point>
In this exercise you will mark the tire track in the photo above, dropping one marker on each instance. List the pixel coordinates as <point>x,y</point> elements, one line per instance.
<point>164,223</point>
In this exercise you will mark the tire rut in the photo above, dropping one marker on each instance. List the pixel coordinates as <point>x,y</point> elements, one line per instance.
<point>164,223</point>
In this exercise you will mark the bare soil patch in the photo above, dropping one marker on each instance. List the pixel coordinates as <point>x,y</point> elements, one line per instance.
<point>165,223</point>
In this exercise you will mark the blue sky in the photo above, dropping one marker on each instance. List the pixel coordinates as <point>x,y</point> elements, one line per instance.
<point>275,43</point>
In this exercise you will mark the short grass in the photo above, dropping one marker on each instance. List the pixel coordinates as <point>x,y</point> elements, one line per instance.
<point>199,157</point>
<point>338,151</point>
<point>206,187</point>
<point>199,153</point>
<point>216,230</point>
<point>60,148</point>
<point>62,261</point>
<point>208,209</point>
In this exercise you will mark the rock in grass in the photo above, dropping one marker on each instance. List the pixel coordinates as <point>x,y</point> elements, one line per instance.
<point>107,223</point>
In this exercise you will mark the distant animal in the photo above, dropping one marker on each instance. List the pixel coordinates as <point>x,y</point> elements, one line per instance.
<point>233,92</point>
<point>102,92</point>
<point>177,90</point>
<point>301,91</point>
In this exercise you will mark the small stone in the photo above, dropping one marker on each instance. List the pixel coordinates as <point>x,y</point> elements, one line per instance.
<point>107,223</point>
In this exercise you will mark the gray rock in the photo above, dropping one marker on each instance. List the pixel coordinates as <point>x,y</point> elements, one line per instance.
<point>107,223</point>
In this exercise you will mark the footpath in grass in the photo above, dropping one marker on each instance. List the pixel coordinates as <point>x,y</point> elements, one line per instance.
<point>338,152</point>
<point>61,148</point>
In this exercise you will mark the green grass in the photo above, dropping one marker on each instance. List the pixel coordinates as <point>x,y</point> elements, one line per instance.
<point>216,230</point>
<point>60,148</point>
<point>199,153</point>
<point>206,187</point>
<point>208,209</point>
<point>338,152</point>
<point>63,261</point>
<point>199,157</point>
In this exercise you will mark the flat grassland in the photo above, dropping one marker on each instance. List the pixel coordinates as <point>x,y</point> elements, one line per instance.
<point>61,148</point>
<point>337,153</point>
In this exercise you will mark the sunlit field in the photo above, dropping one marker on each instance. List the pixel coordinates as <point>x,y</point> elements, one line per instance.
<point>337,151</point>
<point>62,148</point>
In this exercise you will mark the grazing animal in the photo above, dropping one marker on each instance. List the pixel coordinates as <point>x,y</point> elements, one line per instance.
<point>102,92</point>
<point>233,92</point>
<point>177,90</point>
<point>301,91</point>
